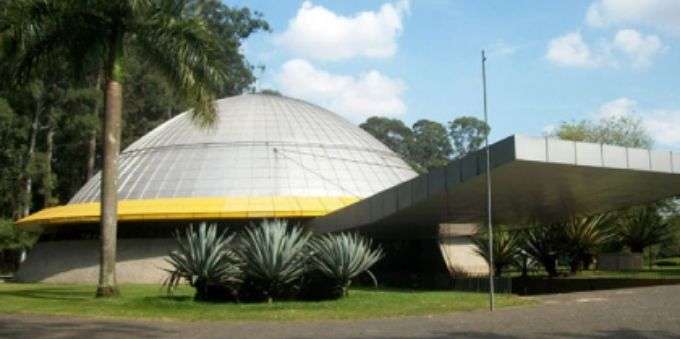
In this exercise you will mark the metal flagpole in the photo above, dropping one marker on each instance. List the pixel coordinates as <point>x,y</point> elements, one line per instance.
<point>488,188</point>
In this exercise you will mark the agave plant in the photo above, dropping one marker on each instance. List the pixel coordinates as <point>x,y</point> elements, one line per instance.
<point>341,257</point>
<point>274,257</point>
<point>206,260</point>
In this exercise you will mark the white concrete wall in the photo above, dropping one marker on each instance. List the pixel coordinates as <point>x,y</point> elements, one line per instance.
<point>77,261</point>
<point>460,252</point>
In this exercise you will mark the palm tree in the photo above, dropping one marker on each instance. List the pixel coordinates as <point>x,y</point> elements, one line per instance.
<point>584,237</point>
<point>643,227</point>
<point>97,34</point>
<point>506,245</point>
<point>542,243</point>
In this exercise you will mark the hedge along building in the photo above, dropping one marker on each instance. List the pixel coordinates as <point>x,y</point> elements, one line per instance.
<point>276,157</point>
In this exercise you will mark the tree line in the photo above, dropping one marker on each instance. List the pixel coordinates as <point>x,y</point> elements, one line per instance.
<point>429,144</point>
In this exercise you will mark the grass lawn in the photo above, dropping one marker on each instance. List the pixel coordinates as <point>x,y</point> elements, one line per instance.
<point>149,301</point>
<point>655,273</point>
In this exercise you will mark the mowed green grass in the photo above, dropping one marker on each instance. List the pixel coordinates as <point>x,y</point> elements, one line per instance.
<point>655,273</point>
<point>148,301</point>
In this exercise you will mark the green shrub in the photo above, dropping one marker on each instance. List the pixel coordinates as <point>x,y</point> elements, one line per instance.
<point>668,262</point>
<point>542,242</point>
<point>13,238</point>
<point>584,237</point>
<point>207,262</point>
<point>274,257</point>
<point>643,227</point>
<point>506,246</point>
<point>335,260</point>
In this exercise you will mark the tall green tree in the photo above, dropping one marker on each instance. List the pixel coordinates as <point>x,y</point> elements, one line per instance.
<point>467,135</point>
<point>100,34</point>
<point>393,133</point>
<point>13,138</point>
<point>431,146</point>
<point>231,25</point>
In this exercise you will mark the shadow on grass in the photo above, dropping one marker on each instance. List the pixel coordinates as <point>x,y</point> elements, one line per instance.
<point>51,293</point>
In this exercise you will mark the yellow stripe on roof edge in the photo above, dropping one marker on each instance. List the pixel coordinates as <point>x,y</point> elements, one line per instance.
<point>202,208</point>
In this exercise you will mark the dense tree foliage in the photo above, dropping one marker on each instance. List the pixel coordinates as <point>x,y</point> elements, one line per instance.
<point>622,131</point>
<point>393,133</point>
<point>428,144</point>
<point>76,150</point>
<point>467,135</point>
<point>187,54</point>
<point>431,146</point>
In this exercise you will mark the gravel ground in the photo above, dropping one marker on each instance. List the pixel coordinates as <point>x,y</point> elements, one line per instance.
<point>652,312</point>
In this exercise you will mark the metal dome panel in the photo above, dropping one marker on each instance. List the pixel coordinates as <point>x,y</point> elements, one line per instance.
<point>262,145</point>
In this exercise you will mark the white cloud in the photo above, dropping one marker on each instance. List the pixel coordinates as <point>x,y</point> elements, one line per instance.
<point>617,108</point>
<point>660,14</point>
<point>319,33</point>
<point>638,47</point>
<point>356,97</point>
<point>571,50</point>
<point>629,45</point>
<point>662,124</point>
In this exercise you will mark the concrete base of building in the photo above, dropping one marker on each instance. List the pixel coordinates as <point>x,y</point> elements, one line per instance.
<point>459,251</point>
<point>77,261</point>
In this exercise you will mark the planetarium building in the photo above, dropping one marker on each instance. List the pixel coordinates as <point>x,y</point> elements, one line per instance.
<point>276,157</point>
<point>266,157</point>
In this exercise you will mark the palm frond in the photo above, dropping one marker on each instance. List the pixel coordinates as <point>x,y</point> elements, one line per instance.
<point>505,247</point>
<point>187,52</point>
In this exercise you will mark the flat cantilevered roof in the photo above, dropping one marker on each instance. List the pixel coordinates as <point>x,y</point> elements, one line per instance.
<point>534,179</point>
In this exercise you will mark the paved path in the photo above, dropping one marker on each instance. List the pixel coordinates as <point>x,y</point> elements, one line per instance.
<point>631,313</point>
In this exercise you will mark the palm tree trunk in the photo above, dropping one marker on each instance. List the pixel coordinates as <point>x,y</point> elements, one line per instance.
<point>28,180</point>
<point>48,177</point>
<point>111,144</point>
<point>91,154</point>
<point>92,143</point>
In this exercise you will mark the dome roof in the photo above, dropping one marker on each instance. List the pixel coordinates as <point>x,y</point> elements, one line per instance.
<point>266,156</point>
<point>262,145</point>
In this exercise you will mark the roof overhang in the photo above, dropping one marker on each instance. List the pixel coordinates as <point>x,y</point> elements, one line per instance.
<point>181,209</point>
<point>534,179</point>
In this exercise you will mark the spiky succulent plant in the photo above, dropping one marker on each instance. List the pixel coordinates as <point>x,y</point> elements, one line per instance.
<point>205,259</point>
<point>274,257</point>
<point>341,257</point>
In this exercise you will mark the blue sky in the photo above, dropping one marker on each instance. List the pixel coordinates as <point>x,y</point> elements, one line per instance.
<point>548,61</point>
